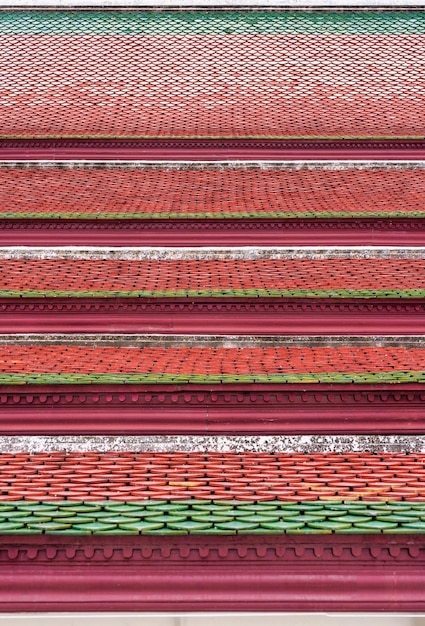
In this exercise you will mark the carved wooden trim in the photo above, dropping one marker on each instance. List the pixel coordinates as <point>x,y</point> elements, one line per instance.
<point>216,409</point>
<point>210,149</point>
<point>291,573</point>
<point>212,225</point>
<point>295,316</point>
<point>203,305</point>
<point>347,231</point>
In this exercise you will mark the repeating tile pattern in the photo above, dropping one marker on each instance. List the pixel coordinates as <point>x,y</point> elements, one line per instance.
<point>62,363</point>
<point>219,278</point>
<point>189,191</point>
<point>287,74</point>
<point>214,493</point>
<point>206,517</point>
<point>211,74</point>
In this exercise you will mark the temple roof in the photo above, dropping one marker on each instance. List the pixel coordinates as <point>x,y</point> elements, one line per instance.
<point>227,74</point>
<point>289,432</point>
<point>215,493</point>
<point>211,191</point>
<point>221,273</point>
<point>185,359</point>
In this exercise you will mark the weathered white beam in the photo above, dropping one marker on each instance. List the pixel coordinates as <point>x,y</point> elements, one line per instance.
<point>211,253</point>
<point>210,4</point>
<point>211,341</point>
<point>309,444</point>
<point>306,164</point>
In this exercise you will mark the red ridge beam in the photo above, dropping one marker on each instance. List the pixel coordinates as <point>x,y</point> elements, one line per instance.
<point>210,149</point>
<point>189,233</point>
<point>295,573</point>
<point>186,316</point>
<point>235,410</point>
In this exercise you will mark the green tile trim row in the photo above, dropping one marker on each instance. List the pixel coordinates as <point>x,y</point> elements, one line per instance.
<point>217,293</point>
<point>392,377</point>
<point>211,23</point>
<point>235,215</point>
<point>203,517</point>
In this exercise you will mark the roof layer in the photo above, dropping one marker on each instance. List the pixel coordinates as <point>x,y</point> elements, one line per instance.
<point>65,363</point>
<point>217,277</point>
<point>224,191</point>
<point>128,493</point>
<point>200,517</point>
<point>212,74</point>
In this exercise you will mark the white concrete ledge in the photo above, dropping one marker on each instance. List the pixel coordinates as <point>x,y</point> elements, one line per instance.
<point>216,165</point>
<point>211,341</point>
<point>211,253</point>
<point>308,444</point>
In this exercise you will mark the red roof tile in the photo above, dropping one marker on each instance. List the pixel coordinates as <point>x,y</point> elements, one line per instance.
<point>64,362</point>
<point>193,192</point>
<point>308,277</point>
<point>214,476</point>
<point>243,74</point>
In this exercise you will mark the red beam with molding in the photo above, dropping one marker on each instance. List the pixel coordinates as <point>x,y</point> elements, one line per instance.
<point>212,409</point>
<point>180,233</point>
<point>310,316</point>
<point>211,149</point>
<point>382,573</point>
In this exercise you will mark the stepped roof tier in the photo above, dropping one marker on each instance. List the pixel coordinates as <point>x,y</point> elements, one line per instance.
<point>211,203</point>
<point>215,493</point>
<point>215,273</point>
<point>74,513</point>
<point>191,191</point>
<point>213,290</point>
<point>244,74</point>
<point>145,359</point>
<point>147,384</point>
<point>179,420</point>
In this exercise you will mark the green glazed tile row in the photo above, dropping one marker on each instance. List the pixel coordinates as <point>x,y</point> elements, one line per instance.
<point>171,215</point>
<point>332,377</point>
<point>214,293</point>
<point>210,517</point>
<point>212,23</point>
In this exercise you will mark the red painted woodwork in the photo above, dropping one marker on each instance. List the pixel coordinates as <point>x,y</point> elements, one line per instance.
<point>181,233</point>
<point>309,316</point>
<point>212,409</point>
<point>210,149</point>
<point>382,573</point>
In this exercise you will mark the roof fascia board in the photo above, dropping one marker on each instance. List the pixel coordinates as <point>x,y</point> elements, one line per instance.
<point>177,233</point>
<point>255,409</point>
<point>204,149</point>
<point>291,573</point>
<point>243,316</point>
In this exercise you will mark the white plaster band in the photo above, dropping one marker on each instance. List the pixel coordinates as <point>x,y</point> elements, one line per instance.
<point>307,444</point>
<point>220,341</point>
<point>217,165</point>
<point>211,253</point>
<point>212,5</point>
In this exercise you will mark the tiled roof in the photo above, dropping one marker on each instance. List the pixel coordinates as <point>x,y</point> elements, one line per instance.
<point>212,74</point>
<point>192,191</point>
<point>215,493</point>
<point>175,461</point>
<point>210,360</point>
<point>318,276</point>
